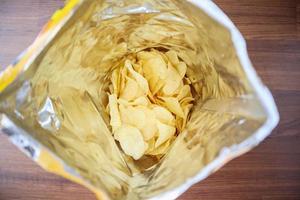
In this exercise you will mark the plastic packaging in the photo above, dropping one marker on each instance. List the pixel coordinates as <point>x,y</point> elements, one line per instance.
<point>53,97</point>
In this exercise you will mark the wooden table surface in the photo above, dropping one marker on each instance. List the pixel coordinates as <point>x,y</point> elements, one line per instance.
<point>270,171</point>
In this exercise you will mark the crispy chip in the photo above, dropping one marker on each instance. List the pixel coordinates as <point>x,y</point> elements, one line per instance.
<point>173,105</point>
<point>131,141</point>
<point>115,119</point>
<point>143,101</point>
<point>163,56</point>
<point>186,100</point>
<point>172,56</point>
<point>138,68</point>
<point>186,110</point>
<point>158,86</point>
<point>151,145</point>
<point>133,116</point>
<point>172,81</point>
<point>162,149</point>
<point>150,98</point>
<point>185,91</point>
<point>154,67</point>
<point>122,79</point>
<point>164,133</point>
<point>163,115</point>
<point>181,69</point>
<point>131,90</point>
<point>115,81</point>
<point>141,81</point>
<point>150,128</point>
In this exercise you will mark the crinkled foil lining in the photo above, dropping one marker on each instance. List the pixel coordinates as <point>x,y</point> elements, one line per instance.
<point>59,100</point>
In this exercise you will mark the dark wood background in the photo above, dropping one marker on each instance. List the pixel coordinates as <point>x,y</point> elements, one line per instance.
<point>270,171</point>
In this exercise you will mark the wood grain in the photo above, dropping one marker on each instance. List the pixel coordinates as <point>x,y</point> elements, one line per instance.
<point>270,171</point>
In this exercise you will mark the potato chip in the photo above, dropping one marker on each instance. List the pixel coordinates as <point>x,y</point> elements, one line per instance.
<point>152,98</point>
<point>187,57</point>
<point>177,91</point>
<point>164,133</point>
<point>131,141</point>
<point>186,111</point>
<point>157,67</point>
<point>133,116</point>
<point>141,81</point>
<point>163,115</point>
<point>143,101</point>
<point>122,79</point>
<point>111,89</point>
<point>172,81</point>
<point>154,68</point>
<point>115,81</point>
<point>163,56</point>
<point>158,86</point>
<point>151,145</point>
<point>162,149</point>
<point>185,91</point>
<point>187,81</point>
<point>150,127</point>
<point>173,105</point>
<point>138,68</point>
<point>179,123</point>
<point>181,69</point>
<point>172,56</point>
<point>186,100</point>
<point>115,119</point>
<point>145,55</point>
<point>131,90</point>
<point>154,102</point>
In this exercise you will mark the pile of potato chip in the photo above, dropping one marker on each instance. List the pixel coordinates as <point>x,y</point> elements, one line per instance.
<point>149,101</point>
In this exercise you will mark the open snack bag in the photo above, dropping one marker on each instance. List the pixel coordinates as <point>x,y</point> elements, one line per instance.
<point>135,99</point>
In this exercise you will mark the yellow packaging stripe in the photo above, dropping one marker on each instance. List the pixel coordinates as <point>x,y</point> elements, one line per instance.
<point>59,14</point>
<point>53,165</point>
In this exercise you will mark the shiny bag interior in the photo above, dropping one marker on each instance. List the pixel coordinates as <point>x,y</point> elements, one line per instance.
<point>59,100</point>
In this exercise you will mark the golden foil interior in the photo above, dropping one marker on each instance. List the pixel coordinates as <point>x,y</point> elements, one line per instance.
<point>60,99</point>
